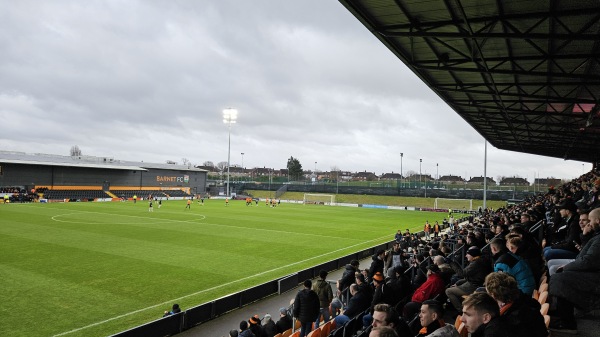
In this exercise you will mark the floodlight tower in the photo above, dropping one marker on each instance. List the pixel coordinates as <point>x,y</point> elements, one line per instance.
<point>229,117</point>
<point>401,155</point>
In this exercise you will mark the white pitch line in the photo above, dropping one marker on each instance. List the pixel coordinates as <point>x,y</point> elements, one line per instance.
<point>210,289</point>
<point>210,224</point>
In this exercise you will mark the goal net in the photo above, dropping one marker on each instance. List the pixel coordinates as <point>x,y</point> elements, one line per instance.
<point>454,204</point>
<point>319,199</point>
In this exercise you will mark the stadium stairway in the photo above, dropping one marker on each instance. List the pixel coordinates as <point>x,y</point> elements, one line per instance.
<point>111,194</point>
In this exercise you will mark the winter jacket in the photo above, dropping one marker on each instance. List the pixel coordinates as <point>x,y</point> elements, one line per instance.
<point>524,319</point>
<point>376,266</point>
<point>357,304</point>
<point>517,267</point>
<point>447,330</point>
<point>246,333</point>
<point>284,323</point>
<point>347,277</point>
<point>323,290</point>
<point>477,270</point>
<point>306,306</point>
<point>494,328</point>
<point>430,289</point>
<point>579,280</point>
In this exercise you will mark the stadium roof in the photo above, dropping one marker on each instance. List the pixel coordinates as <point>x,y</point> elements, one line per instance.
<point>524,74</point>
<point>86,161</point>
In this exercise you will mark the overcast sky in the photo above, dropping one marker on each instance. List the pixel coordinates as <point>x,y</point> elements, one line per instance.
<point>148,81</point>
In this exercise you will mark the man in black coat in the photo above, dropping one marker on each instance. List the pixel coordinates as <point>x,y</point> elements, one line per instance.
<point>285,321</point>
<point>357,304</point>
<point>306,308</point>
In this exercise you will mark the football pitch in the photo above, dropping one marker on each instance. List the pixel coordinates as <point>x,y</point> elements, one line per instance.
<point>95,269</point>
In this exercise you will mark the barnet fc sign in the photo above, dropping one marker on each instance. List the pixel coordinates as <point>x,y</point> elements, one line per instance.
<point>173,179</point>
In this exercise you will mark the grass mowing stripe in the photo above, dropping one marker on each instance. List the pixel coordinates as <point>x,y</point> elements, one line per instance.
<point>202,291</point>
<point>122,257</point>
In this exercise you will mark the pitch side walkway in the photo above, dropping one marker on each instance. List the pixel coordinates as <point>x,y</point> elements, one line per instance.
<point>221,326</point>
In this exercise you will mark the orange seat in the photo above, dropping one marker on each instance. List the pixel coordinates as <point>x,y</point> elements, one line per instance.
<point>543,279</point>
<point>547,320</point>
<point>326,328</point>
<point>543,287</point>
<point>462,330</point>
<point>315,333</point>
<point>278,335</point>
<point>543,297</point>
<point>536,294</point>
<point>458,322</point>
<point>296,334</point>
<point>544,309</point>
<point>287,333</point>
<point>298,325</point>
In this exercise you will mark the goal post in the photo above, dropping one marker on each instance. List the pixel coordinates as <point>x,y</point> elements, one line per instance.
<point>319,199</point>
<point>455,204</point>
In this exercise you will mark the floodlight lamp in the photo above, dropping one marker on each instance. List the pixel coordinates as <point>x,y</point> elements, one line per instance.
<point>229,115</point>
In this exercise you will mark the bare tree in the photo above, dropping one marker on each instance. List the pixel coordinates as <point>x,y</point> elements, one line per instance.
<point>184,161</point>
<point>335,173</point>
<point>75,151</point>
<point>208,163</point>
<point>222,166</point>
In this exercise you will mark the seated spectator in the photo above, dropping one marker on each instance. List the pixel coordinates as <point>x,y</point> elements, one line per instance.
<point>576,284</point>
<point>268,328</point>
<point>244,331</point>
<point>174,310</point>
<point>383,331</point>
<point>384,294</point>
<point>519,312</point>
<point>528,248</point>
<point>566,233</point>
<point>386,315</point>
<point>587,234</point>
<point>358,303</point>
<point>285,321</point>
<point>481,316</point>
<point>508,262</point>
<point>433,286</point>
<point>474,276</point>
<point>233,333</point>
<point>432,322</point>
<point>254,326</point>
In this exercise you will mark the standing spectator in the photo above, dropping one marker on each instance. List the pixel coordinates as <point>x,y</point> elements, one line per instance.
<point>436,230</point>
<point>323,290</point>
<point>426,230</point>
<point>306,308</point>
<point>285,321</point>
<point>377,264</point>
<point>347,279</point>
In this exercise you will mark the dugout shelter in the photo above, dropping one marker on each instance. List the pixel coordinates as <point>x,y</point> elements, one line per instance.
<point>99,177</point>
<point>524,74</point>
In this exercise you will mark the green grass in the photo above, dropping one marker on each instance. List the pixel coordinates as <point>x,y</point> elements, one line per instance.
<point>385,200</point>
<point>94,269</point>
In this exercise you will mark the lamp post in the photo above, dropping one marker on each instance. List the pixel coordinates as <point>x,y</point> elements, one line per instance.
<point>243,170</point>
<point>437,174</point>
<point>316,172</point>
<point>420,162</point>
<point>401,177</point>
<point>229,117</point>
